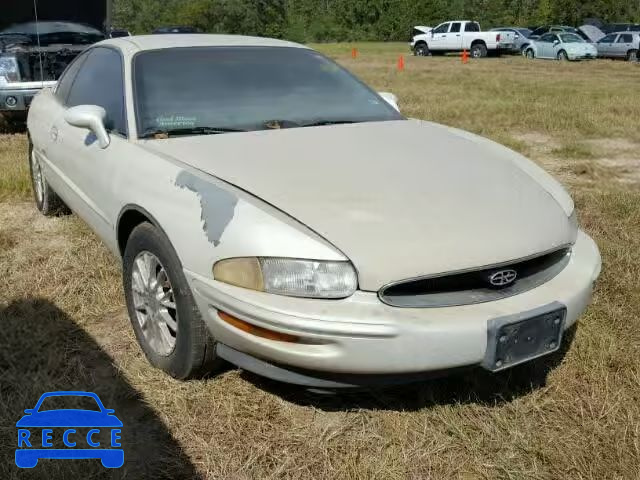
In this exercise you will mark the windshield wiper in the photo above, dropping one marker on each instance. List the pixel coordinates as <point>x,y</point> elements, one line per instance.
<point>176,132</point>
<point>319,123</point>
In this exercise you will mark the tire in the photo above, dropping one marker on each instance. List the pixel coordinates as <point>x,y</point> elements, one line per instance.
<point>632,56</point>
<point>479,50</point>
<point>530,54</point>
<point>523,49</point>
<point>193,350</point>
<point>562,56</point>
<point>47,201</point>
<point>421,50</point>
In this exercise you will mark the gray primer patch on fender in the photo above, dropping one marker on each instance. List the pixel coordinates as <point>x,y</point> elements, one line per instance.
<point>217,205</point>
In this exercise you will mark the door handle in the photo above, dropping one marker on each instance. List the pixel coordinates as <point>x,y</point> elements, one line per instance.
<point>54,133</point>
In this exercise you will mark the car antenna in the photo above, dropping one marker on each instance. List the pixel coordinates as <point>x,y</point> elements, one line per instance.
<point>35,11</point>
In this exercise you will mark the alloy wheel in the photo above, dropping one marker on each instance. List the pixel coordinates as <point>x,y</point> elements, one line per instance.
<point>38,178</point>
<point>154,303</point>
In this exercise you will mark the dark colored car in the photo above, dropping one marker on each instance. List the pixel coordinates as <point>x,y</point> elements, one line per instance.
<point>175,29</point>
<point>538,32</point>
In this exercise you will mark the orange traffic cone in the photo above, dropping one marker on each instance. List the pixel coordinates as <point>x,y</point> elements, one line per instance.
<point>401,63</point>
<point>465,56</point>
<point>354,53</point>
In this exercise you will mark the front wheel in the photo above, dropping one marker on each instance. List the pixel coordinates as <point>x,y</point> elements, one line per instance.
<point>530,54</point>
<point>632,56</point>
<point>421,50</point>
<point>478,50</point>
<point>163,313</point>
<point>562,56</point>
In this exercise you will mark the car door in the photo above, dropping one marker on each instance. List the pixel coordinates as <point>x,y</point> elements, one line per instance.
<point>622,45</point>
<point>44,121</point>
<point>439,37</point>
<point>453,40</point>
<point>545,45</point>
<point>605,45</point>
<point>89,170</point>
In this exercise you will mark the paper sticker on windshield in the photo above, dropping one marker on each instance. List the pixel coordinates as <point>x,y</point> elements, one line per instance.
<point>176,121</point>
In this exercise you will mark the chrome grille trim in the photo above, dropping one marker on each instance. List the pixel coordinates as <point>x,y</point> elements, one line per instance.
<point>557,259</point>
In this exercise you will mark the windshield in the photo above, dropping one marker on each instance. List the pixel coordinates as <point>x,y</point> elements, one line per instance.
<point>216,89</point>
<point>55,32</point>
<point>571,38</point>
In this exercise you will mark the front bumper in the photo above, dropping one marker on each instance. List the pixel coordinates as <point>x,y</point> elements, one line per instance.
<point>361,335</point>
<point>582,56</point>
<point>17,97</point>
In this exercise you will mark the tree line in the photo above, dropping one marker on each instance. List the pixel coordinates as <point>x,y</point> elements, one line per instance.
<point>351,20</point>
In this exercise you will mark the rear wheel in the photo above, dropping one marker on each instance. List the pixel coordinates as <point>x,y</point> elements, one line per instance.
<point>421,50</point>
<point>47,201</point>
<point>529,53</point>
<point>479,50</point>
<point>562,56</point>
<point>632,56</point>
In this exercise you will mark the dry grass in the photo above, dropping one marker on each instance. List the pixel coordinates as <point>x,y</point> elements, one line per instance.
<point>575,415</point>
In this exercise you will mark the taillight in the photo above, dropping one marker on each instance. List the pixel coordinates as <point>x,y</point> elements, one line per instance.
<point>498,37</point>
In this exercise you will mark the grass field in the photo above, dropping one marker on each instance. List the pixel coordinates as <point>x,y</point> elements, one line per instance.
<point>574,415</point>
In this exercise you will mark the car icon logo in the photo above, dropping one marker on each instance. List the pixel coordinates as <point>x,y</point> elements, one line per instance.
<point>503,278</point>
<point>69,433</point>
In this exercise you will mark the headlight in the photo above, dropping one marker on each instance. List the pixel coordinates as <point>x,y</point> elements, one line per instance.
<point>9,69</point>
<point>290,277</point>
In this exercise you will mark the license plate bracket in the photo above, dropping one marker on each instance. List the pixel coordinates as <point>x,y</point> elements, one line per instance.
<point>516,339</point>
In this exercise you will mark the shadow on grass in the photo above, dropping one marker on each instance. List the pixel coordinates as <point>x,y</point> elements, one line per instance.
<point>12,124</point>
<point>469,386</point>
<point>43,350</point>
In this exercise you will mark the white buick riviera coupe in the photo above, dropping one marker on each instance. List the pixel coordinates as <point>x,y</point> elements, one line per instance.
<point>273,211</point>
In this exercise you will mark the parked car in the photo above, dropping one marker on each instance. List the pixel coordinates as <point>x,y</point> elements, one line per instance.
<point>321,233</point>
<point>538,32</point>
<point>621,27</point>
<point>521,37</point>
<point>562,46</point>
<point>119,32</point>
<point>175,29</point>
<point>462,35</point>
<point>34,54</point>
<point>620,45</point>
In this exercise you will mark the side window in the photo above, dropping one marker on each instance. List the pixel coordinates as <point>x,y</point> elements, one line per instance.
<point>625,39</point>
<point>67,78</point>
<point>455,27</point>
<point>548,38</point>
<point>472,27</point>
<point>100,82</point>
<point>608,39</point>
<point>444,28</point>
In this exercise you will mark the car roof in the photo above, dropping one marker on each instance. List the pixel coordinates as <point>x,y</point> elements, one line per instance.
<point>156,42</point>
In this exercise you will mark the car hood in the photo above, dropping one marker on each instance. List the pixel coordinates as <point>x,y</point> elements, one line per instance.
<point>69,418</point>
<point>89,12</point>
<point>592,32</point>
<point>400,199</point>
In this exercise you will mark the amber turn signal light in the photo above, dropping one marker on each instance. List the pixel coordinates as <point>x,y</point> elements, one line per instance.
<point>257,331</point>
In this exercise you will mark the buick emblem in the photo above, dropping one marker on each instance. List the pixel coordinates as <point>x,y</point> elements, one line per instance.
<point>503,278</point>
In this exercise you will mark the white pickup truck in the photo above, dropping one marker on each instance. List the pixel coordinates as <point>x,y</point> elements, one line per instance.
<point>460,35</point>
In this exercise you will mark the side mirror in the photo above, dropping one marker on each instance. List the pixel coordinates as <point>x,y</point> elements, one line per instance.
<point>391,99</point>
<point>92,118</point>
<point>29,411</point>
<point>556,42</point>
